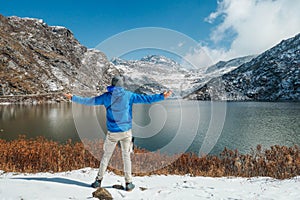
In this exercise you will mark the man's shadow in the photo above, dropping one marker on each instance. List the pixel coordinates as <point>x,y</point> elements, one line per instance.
<point>56,180</point>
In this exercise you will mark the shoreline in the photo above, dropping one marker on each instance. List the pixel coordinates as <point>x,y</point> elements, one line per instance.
<point>32,99</point>
<point>51,98</point>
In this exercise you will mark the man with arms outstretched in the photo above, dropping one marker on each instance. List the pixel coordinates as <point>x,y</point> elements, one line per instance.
<point>118,103</point>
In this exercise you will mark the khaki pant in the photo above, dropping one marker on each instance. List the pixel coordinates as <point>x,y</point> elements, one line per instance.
<point>125,138</point>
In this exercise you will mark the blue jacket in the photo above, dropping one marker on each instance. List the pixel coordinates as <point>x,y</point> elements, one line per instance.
<point>118,103</point>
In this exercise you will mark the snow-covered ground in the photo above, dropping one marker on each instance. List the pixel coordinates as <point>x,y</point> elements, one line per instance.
<point>76,185</point>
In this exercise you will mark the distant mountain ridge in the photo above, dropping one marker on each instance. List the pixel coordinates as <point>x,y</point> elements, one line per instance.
<point>153,74</point>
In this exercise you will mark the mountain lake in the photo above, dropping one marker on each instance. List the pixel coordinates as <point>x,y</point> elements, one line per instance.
<point>172,126</point>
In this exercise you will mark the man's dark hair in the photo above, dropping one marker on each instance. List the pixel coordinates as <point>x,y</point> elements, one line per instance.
<point>117,81</point>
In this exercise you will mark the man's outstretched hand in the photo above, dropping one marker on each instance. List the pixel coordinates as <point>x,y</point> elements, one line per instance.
<point>167,94</point>
<point>68,95</point>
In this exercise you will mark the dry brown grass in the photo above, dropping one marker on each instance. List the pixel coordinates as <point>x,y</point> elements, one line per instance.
<point>41,155</point>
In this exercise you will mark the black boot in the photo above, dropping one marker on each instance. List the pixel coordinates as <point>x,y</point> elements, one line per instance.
<point>129,186</point>
<point>97,183</point>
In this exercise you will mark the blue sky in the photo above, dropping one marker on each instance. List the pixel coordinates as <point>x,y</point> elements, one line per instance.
<point>93,21</point>
<point>224,29</point>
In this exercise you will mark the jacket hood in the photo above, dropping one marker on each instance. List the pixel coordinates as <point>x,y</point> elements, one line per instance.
<point>115,90</point>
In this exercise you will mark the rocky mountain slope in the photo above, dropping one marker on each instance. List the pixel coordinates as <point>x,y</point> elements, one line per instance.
<point>36,58</point>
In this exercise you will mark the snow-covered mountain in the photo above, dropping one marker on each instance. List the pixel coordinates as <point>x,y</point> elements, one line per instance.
<point>153,74</point>
<point>222,67</point>
<point>271,76</point>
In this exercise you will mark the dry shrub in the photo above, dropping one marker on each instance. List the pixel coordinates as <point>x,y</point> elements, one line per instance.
<point>41,155</point>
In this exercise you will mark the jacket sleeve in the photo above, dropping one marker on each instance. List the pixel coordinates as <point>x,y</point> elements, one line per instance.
<point>89,101</point>
<point>141,98</point>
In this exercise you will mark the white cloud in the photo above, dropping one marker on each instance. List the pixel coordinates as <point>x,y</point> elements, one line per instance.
<point>257,26</point>
<point>202,56</point>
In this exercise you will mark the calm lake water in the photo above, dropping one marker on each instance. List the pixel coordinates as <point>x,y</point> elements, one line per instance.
<point>169,126</point>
